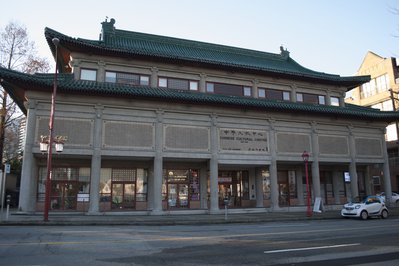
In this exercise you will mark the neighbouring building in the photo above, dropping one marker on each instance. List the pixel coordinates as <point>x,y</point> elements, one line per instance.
<point>157,124</point>
<point>381,92</point>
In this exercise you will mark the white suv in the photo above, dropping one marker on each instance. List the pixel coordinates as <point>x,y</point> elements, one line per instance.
<point>368,207</point>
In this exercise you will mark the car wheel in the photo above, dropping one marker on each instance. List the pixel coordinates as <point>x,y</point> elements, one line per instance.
<point>384,214</point>
<point>397,203</point>
<point>364,215</point>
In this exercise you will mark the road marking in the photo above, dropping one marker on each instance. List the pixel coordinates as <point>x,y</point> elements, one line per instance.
<point>310,248</point>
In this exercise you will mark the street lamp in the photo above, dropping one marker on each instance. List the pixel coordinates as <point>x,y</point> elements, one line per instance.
<point>55,41</point>
<point>305,157</point>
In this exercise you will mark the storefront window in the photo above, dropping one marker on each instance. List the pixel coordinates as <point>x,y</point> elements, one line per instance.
<point>105,185</point>
<point>180,188</point>
<point>266,185</point>
<point>141,185</point>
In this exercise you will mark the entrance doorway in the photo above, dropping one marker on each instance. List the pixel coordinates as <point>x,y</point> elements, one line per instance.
<point>233,186</point>
<point>123,195</point>
<point>178,196</point>
<point>64,195</point>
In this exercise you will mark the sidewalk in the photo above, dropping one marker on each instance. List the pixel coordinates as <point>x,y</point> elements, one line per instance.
<point>182,218</point>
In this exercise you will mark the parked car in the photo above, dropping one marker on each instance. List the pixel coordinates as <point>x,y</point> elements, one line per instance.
<point>394,199</point>
<point>370,206</point>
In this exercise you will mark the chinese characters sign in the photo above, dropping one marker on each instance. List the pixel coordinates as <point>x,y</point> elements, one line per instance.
<point>243,140</point>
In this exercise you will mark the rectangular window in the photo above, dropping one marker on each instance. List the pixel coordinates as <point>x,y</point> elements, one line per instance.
<point>177,84</point>
<point>247,91</point>
<point>228,89</point>
<point>210,87</point>
<point>110,77</point>
<point>145,80</point>
<point>163,82</point>
<point>299,97</point>
<point>126,78</point>
<point>88,74</point>
<point>261,93</point>
<point>334,101</point>
<point>286,96</point>
<point>310,98</point>
<point>193,85</point>
<point>322,99</point>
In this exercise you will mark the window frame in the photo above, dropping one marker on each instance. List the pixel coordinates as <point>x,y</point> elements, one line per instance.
<point>88,70</point>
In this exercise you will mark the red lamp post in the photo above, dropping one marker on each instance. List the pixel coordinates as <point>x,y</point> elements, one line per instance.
<point>305,157</point>
<point>50,137</point>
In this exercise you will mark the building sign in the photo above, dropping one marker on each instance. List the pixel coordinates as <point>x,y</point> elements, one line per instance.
<point>243,140</point>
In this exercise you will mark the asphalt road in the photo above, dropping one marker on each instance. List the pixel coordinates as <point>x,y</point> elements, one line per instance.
<point>323,242</point>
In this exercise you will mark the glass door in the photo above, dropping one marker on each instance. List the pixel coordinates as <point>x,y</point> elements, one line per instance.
<point>64,195</point>
<point>178,196</point>
<point>123,195</point>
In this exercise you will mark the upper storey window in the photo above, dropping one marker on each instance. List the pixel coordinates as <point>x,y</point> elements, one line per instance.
<point>334,101</point>
<point>310,98</point>
<point>127,78</point>
<point>228,89</point>
<point>375,86</point>
<point>88,74</point>
<point>178,84</point>
<point>274,94</point>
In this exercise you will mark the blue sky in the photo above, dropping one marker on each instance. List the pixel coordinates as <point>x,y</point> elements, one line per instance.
<point>331,36</point>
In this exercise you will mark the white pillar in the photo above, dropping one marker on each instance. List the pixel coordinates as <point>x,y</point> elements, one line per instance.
<point>352,165</point>
<point>315,162</point>
<point>158,165</point>
<point>95,172</point>
<point>27,199</point>
<point>204,187</point>
<point>273,168</point>
<point>387,174</point>
<point>202,83</point>
<point>214,171</point>
<point>154,77</point>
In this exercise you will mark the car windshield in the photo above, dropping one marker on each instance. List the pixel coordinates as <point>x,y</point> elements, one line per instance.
<point>359,199</point>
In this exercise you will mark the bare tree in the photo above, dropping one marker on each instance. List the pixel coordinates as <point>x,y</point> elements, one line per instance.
<point>17,52</point>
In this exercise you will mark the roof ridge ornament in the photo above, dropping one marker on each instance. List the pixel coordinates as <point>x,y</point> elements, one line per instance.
<point>108,28</point>
<point>284,52</point>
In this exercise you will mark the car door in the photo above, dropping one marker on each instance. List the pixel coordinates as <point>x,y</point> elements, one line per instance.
<point>374,206</point>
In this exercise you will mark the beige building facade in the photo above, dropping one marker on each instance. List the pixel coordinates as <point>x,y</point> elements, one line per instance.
<point>381,92</point>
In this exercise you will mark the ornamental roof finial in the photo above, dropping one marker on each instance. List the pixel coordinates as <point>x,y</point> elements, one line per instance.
<point>284,52</point>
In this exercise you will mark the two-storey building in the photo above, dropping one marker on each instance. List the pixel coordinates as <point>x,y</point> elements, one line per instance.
<point>156,124</point>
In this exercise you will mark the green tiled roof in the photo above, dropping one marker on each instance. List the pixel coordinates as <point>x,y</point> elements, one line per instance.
<point>15,82</point>
<point>135,44</point>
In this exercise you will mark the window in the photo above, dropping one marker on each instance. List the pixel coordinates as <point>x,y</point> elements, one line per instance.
<point>126,78</point>
<point>310,98</point>
<point>178,84</point>
<point>193,85</point>
<point>334,101</point>
<point>163,82</point>
<point>247,91</point>
<point>110,77</point>
<point>273,94</point>
<point>286,96</point>
<point>299,97</point>
<point>88,74</point>
<point>322,99</point>
<point>145,80</point>
<point>261,93</point>
<point>210,87</point>
<point>228,89</point>
<point>374,86</point>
